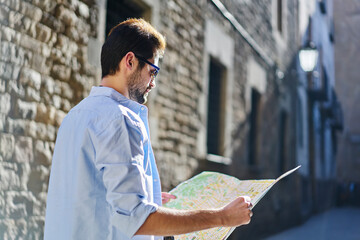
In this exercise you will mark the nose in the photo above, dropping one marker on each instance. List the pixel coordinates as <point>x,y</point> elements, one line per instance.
<point>153,84</point>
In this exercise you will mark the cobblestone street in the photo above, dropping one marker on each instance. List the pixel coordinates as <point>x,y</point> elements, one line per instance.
<point>335,224</point>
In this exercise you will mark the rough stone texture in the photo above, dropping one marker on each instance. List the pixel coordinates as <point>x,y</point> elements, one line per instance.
<point>175,103</point>
<point>45,70</point>
<point>43,45</point>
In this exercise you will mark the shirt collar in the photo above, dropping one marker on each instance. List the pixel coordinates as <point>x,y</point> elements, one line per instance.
<point>115,95</point>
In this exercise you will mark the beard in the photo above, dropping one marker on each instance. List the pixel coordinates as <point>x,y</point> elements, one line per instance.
<point>136,92</point>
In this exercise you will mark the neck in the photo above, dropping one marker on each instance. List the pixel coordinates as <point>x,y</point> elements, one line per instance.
<point>115,82</point>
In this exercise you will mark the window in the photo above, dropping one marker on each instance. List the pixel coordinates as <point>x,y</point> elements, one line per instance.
<point>279,17</point>
<point>254,127</point>
<point>283,122</point>
<point>300,122</point>
<point>120,10</point>
<point>215,113</point>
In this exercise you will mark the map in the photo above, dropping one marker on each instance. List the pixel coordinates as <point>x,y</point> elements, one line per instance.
<point>214,190</point>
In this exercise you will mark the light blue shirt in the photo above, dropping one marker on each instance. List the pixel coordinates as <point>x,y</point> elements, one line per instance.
<point>104,182</point>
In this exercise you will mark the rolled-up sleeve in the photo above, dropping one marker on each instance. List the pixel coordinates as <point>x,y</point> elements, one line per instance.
<point>120,158</point>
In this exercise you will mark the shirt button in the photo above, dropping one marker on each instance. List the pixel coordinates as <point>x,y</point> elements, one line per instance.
<point>142,108</point>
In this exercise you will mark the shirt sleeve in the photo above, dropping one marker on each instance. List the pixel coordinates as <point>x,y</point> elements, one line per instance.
<point>120,156</point>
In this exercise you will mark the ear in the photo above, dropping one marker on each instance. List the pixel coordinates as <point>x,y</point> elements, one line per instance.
<point>129,61</point>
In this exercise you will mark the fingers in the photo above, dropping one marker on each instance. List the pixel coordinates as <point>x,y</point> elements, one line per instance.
<point>238,212</point>
<point>247,199</point>
<point>166,197</point>
<point>249,205</point>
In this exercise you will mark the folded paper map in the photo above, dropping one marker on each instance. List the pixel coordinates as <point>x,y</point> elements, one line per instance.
<point>214,190</point>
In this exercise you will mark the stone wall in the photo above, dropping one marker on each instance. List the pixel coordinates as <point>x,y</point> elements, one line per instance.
<point>44,71</point>
<point>46,49</point>
<point>175,116</point>
<point>175,113</point>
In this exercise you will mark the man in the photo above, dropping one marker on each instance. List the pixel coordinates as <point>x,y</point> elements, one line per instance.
<point>104,182</point>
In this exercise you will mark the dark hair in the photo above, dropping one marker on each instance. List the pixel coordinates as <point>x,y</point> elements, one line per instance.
<point>132,35</point>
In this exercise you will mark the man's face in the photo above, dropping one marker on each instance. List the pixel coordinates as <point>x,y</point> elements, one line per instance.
<point>140,84</point>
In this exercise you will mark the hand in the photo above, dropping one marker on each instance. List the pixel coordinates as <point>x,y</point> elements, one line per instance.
<point>237,212</point>
<point>166,197</point>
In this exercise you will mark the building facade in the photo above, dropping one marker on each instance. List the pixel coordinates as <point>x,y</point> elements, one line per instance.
<point>319,111</point>
<point>47,66</point>
<point>347,59</point>
<point>227,97</point>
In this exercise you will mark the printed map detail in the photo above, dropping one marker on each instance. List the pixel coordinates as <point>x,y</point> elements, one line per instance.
<point>213,190</point>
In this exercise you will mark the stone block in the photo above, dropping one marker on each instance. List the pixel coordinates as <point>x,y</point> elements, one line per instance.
<point>31,31</point>
<point>66,16</point>
<point>38,179</point>
<point>24,174</point>
<point>73,33</point>
<point>29,43</point>
<point>2,206</point>
<point>43,33</point>
<point>31,129</point>
<point>20,56</point>
<point>43,153</point>
<point>57,87</point>
<point>5,103</point>
<point>7,146</point>
<point>34,224</point>
<point>56,101</point>
<point>83,10</point>
<point>4,14</point>
<point>24,150</point>
<point>45,50</point>
<point>7,34</point>
<point>51,133</point>
<point>16,126</point>
<point>20,204</point>
<point>5,70</point>
<point>14,4</point>
<point>24,110</point>
<point>41,113</point>
<point>41,131</point>
<point>47,6</point>
<point>7,50</point>
<point>39,64</point>
<point>15,89</point>
<point>30,11</point>
<point>62,42</point>
<point>9,178</point>
<point>49,84</point>
<point>16,72</point>
<point>21,227</point>
<point>60,115</point>
<point>32,95</point>
<point>16,20</point>
<point>2,122</point>
<point>8,229</point>
<point>45,114</point>
<point>65,105</point>
<point>61,72</point>
<point>52,22</point>
<point>29,77</point>
<point>39,207</point>
<point>67,91</point>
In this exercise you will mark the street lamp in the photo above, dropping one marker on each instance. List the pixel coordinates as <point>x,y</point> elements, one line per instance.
<point>308,57</point>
